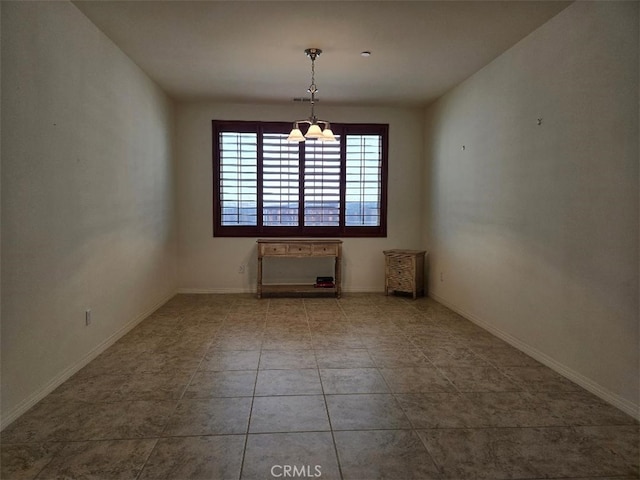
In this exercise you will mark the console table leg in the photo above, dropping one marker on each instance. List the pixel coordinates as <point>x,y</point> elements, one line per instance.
<point>338,271</point>
<point>259,277</point>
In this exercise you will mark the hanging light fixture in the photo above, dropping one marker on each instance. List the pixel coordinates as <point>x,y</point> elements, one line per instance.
<point>318,129</point>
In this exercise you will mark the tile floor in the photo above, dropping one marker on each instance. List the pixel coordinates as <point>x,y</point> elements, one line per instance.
<point>365,387</point>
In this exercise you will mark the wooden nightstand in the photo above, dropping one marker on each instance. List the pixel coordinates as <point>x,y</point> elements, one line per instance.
<point>404,271</point>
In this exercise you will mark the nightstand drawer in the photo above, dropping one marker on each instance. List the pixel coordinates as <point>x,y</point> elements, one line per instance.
<point>402,263</point>
<point>401,284</point>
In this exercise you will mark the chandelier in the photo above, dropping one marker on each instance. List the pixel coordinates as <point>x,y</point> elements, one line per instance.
<point>314,131</point>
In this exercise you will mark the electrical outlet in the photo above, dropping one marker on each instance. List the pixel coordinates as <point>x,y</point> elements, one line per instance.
<point>241,269</point>
<point>87,318</point>
<point>442,276</point>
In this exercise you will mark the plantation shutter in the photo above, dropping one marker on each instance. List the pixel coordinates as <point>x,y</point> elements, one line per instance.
<point>280,180</point>
<point>322,183</point>
<point>238,178</point>
<point>363,180</point>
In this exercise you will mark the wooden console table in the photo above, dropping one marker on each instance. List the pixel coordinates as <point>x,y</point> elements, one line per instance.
<point>300,249</point>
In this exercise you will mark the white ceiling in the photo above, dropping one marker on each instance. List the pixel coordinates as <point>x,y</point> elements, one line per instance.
<point>253,51</point>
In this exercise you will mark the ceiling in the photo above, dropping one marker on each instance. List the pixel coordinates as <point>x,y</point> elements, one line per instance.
<point>253,51</point>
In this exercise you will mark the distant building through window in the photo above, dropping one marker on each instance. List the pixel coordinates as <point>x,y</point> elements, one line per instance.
<point>266,186</point>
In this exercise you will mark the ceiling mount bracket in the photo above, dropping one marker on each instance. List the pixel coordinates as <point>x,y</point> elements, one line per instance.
<point>313,53</point>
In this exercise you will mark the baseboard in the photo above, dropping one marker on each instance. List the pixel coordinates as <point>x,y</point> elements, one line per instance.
<point>363,290</point>
<point>22,407</point>
<point>253,290</point>
<point>585,382</point>
<point>210,291</point>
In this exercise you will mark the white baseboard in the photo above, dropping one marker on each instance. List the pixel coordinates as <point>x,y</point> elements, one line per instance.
<point>362,290</point>
<point>253,290</point>
<point>576,377</point>
<point>209,291</point>
<point>30,401</point>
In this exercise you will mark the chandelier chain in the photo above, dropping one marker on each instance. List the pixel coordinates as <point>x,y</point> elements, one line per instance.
<point>312,88</point>
<point>318,129</point>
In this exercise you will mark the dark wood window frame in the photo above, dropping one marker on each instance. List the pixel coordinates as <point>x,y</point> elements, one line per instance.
<point>301,231</point>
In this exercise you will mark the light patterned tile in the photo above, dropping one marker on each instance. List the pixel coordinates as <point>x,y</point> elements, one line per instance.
<point>366,412</point>
<point>79,421</point>
<point>539,379</point>
<point>442,410</point>
<point>113,459</point>
<point>480,453</point>
<point>161,363</point>
<point>581,408</point>
<point>288,382</point>
<point>564,452</point>
<point>229,383</point>
<point>622,442</point>
<point>353,380</point>
<point>209,416</point>
<point>333,341</point>
<point>286,359</point>
<point>344,358</point>
<point>416,380</point>
<point>218,360</point>
<point>24,461</point>
<point>311,453</point>
<point>514,409</point>
<point>195,458</point>
<point>384,454</point>
<point>506,356</point>
<point>236,342</point>
<point>151,386</point>
<point>479,379</point>
<point>289,414</point>
<point>505,416</point>
<point>83,388</point>
<point>399,357</point>
<point>398,341</point>
<point>453,356</point>
<point>289,342</point>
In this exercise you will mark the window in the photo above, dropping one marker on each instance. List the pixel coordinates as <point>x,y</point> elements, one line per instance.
<point>266,186</point>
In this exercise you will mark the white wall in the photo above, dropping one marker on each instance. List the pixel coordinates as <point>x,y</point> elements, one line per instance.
<point>535,227</point>
<point>211,264</point>
<point>87,197</point>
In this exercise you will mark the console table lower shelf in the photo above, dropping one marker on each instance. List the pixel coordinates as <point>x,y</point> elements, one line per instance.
<point>285,289</point>
<point>300,249</point>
